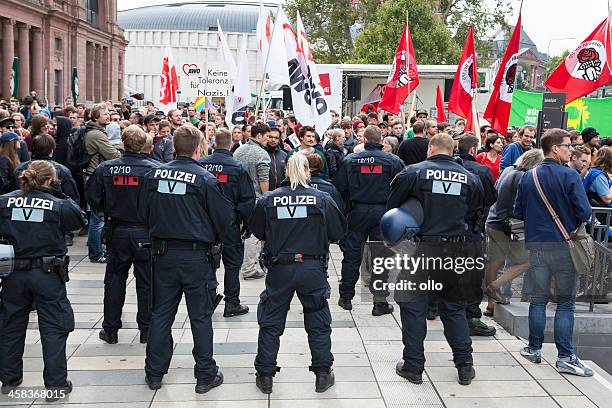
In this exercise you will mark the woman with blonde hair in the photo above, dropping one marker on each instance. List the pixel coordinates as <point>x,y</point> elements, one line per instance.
<point>296,224</point>
<point>39,277</point>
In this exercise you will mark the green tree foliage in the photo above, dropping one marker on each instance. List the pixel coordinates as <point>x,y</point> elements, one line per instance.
<point>432,41</point>
<point>328,25</point>
<point>554,62</point>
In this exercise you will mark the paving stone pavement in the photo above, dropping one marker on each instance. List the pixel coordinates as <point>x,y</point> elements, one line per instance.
<point>366,349</point>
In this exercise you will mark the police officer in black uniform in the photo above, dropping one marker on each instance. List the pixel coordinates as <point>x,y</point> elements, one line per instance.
<point>238,188</point>
<point>33,220</point>
<point>113,190</point>
<point>363,180</point>
<point>451,197</point>
<point>466,150</point>
<point>282,218</point>
<point>186,211</point>
<point>315,163</point>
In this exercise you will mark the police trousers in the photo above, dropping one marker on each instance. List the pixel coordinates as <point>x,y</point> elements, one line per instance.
<point>363,225</point>
<point>414,330</point>
<point>182,271</point>
<point>232,255</point>
<point>123,252</point>
<point>55,321</point>
<point>309,280</point>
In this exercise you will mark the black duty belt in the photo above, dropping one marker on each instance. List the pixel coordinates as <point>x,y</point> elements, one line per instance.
<point>25,264</point>
<point>192,245</point>
<point>286,259</point>
<point>432,238</point>
<point>125,224</point>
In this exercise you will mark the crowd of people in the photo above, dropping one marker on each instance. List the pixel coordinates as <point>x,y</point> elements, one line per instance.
<point>99,151</point>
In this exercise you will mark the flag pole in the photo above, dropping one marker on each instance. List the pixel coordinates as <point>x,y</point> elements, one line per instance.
<point>263,78</point>
<point>403,111</point>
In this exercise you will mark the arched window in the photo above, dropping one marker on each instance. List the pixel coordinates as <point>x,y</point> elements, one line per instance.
<point>91,10</point>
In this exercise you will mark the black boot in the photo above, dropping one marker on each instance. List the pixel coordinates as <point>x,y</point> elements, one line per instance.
<point>204,388</point>
<point>9,387</point>
<point>346,304</point>
<point>109,337</point>
<point>235,309</point>
<point>57,393</point>
<point>381,308</point>
<point>415,378</point>
<point>479,328</point>
<point>466,374</point>
<point>264,383</point>
<point>144,336</point>
<point>325,380</point>
<point>153,384</point>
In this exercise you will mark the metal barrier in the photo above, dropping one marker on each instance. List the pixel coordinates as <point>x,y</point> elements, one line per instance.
<point>596,286</point>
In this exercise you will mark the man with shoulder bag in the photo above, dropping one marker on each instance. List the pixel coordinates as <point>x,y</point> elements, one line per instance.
<point>553,203</point>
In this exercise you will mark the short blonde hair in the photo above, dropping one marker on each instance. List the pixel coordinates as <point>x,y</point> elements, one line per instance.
<point>96,110</point>
<point>134,138</point>
<point>298,171</point>
<point>443,141</point>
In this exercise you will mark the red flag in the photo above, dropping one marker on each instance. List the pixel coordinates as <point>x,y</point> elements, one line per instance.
<point>586,68</point>
<point>498,109</point>
<point>440,105</point>
<point>169,82</point>
<point>466,79</point>
<point>403,76</point>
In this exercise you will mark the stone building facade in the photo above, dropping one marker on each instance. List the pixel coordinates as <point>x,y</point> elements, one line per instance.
<point>50,37</point>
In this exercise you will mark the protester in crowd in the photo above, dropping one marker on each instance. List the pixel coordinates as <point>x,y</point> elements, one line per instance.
<point>414,150</point>
<point>431,128</point>
<point>511,137</point>
<point>256,161</point>
<point>308,140</point>
<point>9,160</point>
<point>349,137</point>
<point>513,151</point>
<point>210,132</point>
<point>151,124</point>
<point>459,126</point>
<point>505,234</point>
<point>163,151</point>
<point>74,118</point>
<point>237,134</point>
<point>62,135</point>
<point>278,158</point>
<point>246,135</point>
<point>491,158</point>
<point>334,151</point>
<point>444,127</point>
<point>21,131</point>
<point>99,149</point>
<point>549,255</point>
<point>597,182</point>
<point>575,138</point>
<point>26,110</point>
<point>193,117</point>
<point>397,130</point>
<point>113,132</point>
<point>580,160</point>
<point>174,117</point>
<point>384,129</point>
<point>390,144</point>
<point>590,138</point>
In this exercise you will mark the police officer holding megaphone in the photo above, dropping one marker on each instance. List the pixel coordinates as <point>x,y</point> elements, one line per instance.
<point>432,203</point>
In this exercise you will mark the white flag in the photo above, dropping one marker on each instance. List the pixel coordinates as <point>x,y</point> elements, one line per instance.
<point>309,104</point>
<point>225,54</point>
<point>241,91</point>
<point>272,45</point>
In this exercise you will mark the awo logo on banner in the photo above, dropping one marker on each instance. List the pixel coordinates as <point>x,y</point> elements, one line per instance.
<point>191,69</point>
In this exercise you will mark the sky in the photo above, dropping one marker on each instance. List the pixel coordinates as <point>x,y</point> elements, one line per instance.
<point>554,25</point>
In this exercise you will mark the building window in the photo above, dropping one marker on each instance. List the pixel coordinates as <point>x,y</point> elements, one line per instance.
<point>91,10</point>
<point>57,86</point>
<point>58,44</point>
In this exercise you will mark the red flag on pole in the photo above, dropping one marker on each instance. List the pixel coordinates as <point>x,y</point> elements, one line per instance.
<point>403,76</point>
<point>498,109</point>
<point>586,68</point>
<point>466,80</point>
<point>169,82</point>
<point>440,105</point>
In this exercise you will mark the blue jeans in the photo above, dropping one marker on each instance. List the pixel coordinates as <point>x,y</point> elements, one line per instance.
<point>544,265</point>
<point>94,237</point>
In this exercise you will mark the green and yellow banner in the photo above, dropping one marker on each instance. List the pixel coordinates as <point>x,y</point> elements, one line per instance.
<point>581,113</point>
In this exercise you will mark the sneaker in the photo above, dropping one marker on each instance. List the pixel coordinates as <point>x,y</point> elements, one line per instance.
<point>535,356</point>
<point>573,365</point>
<point>415,378</point>
<point>264,383</point>
<point>109,337</point>
<point>57,394</point>
<point>153,384</point>
<point>204,388</point>
<point>256,275</point>
<point>9,387</point>
<point>478,328</point>
<point>381,308</point>
<point>466,374</point>
<point>101,259</point>
<point>235,309</point>
<point>346,304</point>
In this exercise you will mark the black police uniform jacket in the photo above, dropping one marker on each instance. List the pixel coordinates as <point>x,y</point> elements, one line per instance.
<point>365,177</point>
<point>234,179</point>
<point>300,221</point>
<point>327,187</point>
<point>35,223</point>
<point>182,201</point>
<point>67,184</point>
<point>115,185</point>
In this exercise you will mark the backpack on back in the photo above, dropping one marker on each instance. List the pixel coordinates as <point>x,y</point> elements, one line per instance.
<point>77,157</point>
